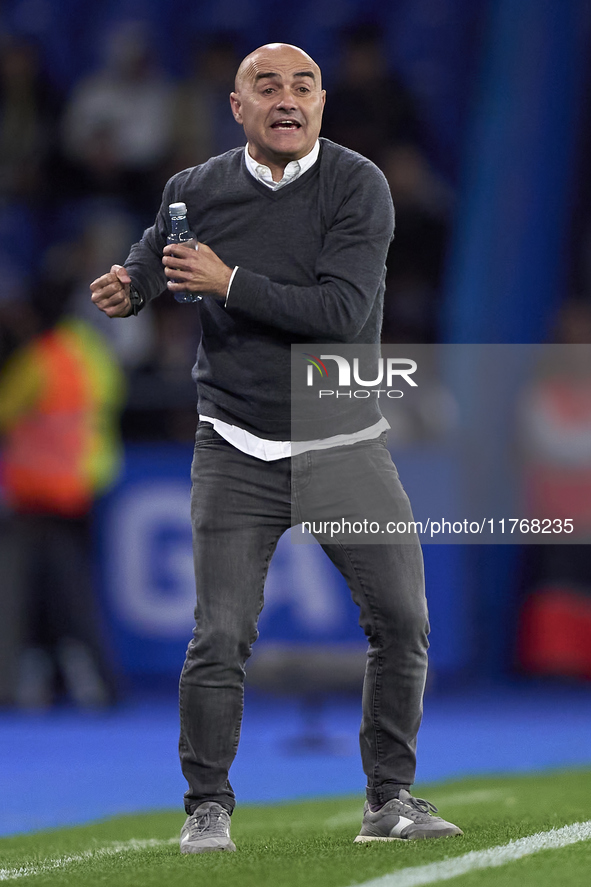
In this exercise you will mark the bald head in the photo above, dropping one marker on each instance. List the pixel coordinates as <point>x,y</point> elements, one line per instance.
<point>267,58</point>
<point>279,101</point>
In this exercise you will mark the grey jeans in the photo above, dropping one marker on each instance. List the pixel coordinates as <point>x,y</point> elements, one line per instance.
<point>240,507</point>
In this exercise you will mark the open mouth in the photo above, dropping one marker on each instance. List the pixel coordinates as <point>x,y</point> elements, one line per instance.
<point>286,123</point>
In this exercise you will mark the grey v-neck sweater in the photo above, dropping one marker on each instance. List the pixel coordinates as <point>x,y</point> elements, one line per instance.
<point>311,259</point>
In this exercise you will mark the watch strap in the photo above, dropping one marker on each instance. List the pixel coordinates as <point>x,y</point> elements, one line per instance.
<point>136,299</point>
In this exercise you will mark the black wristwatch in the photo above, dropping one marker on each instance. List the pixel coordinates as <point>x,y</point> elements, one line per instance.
<point>136,299</point>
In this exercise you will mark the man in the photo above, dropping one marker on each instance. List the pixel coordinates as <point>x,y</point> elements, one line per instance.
<point>60,398</point>
<point>297,230</point>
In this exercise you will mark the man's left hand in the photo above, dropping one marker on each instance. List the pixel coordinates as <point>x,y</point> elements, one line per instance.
<point>195,270</point>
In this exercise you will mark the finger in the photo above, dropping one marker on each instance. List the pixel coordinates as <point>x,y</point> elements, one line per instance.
<point>122,275</point>
<point>175,264</point>
<point>115,306</point>
<point>118,310</point>
<point>178,274</point>
<point>176,287</point>
<point>184,259</point>
<point>171,250</point>
<point>108,291</point>
<point>178,249</point>
<point>102,281</point>
<point>107,298</point>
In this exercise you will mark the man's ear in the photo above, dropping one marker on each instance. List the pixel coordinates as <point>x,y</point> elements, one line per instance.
<point>235,104</point>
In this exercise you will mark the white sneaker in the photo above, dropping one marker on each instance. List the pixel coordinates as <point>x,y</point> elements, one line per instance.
<point>207,829</point>
<point>404,819</point>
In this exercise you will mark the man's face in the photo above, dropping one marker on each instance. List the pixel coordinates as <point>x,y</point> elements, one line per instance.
<point>279,101</point>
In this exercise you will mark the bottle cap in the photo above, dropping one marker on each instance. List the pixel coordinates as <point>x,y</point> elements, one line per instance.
<point>178,209</point>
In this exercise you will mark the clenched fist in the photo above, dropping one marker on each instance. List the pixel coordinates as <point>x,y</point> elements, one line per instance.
<point>110,292</point>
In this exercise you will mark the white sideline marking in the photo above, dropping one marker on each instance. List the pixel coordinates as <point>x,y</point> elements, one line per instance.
<point>114,849</point>
<point>414,876</point>
<point>484,859</point>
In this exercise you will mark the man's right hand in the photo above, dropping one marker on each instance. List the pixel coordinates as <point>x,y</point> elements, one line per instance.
<point>110,292</point>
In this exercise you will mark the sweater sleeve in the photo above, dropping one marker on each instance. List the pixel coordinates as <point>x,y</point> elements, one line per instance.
<point>144,262</point>
<point>349,269</point>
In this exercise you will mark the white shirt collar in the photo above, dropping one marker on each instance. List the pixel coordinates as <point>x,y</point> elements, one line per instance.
<point>293,170</point>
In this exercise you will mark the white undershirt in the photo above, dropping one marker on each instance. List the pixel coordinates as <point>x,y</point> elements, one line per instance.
<point>270,450</point>
<point>259,447</point>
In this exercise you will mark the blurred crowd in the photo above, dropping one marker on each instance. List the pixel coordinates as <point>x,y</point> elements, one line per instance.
<point>81,175</point>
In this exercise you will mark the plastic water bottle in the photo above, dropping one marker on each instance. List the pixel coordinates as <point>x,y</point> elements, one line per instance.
<point>180,233</point>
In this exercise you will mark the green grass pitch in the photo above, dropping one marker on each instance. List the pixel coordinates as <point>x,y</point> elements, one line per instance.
<point>310,843</point>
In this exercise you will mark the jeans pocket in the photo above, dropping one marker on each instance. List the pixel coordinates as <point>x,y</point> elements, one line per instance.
<point>206,433</point>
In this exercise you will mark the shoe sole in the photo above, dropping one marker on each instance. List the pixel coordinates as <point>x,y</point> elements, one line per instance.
<point>363,839</point>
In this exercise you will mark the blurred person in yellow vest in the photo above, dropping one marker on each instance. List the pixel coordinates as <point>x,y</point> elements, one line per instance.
<point>60,398</point>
